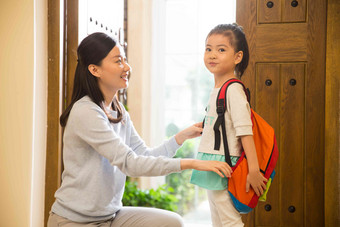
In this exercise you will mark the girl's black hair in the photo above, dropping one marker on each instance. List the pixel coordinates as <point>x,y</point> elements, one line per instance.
<point>92,50</point>
<point>237,40</point>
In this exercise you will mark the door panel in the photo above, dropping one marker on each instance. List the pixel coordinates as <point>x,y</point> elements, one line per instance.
<point>268,106</point>
<point>291,173</point>
<point>269,11</point>
<point>283,44</point>
<point>294,11</point>
<point>276,11</point>
<point>280,92</point>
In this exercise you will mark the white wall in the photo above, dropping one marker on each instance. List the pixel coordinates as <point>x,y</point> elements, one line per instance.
<point>139,54</point>
<point>23,76</point>
<point>139,91</point>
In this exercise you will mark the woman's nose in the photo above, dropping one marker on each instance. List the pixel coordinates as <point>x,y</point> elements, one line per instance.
<point>127,67</point>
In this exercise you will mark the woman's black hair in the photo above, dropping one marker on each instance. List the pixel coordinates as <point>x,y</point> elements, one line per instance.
<point>237,40</point>
<point>92,50</point>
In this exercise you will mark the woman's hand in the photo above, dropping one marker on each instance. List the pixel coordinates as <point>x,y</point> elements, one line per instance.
<point>257,181</point>
<point>216,166</point>
<point>188,133</point>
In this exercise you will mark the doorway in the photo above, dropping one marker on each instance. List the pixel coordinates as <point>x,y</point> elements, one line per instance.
<point>69,21</point>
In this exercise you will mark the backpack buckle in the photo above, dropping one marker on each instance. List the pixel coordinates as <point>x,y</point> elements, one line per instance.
<point>220,107</point>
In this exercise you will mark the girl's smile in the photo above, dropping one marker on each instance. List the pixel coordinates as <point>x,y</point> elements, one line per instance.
<point>212,64</point>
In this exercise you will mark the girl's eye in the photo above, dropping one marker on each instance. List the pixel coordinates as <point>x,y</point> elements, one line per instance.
<point>207,49</point>
<point>119,61</point>
<point>221,50</point>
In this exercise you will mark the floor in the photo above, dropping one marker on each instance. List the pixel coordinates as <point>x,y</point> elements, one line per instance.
<point>200,217</point>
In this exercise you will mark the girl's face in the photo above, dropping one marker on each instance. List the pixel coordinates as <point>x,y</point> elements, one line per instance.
<point>113,72</point>
<point>220,57</point>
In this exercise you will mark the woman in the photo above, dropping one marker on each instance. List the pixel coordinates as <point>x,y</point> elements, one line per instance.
<point>101,147</point>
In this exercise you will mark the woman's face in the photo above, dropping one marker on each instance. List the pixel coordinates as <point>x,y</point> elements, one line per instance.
<point>114,70</point>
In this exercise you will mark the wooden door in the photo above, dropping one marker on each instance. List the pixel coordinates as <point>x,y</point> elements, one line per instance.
<point>286,76</point>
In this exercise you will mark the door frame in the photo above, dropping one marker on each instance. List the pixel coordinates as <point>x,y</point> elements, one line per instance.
<point>332,116</point>
<point>60,83</point>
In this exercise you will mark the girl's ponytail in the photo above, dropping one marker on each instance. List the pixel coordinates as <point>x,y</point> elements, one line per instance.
<point>241,45</point>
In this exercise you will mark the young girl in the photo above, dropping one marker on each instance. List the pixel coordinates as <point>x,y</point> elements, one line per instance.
<point>226,56</point>
<point>101,147</point>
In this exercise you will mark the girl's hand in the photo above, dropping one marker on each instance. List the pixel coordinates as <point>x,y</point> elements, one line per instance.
<point>188,133</point>
<point>257,181</point>
<point>216,166</point>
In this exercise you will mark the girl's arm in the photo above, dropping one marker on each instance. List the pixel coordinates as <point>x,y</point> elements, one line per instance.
<point>255,178</point>
<point>240,114</point>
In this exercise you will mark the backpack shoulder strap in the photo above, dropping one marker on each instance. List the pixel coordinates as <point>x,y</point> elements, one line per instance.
<point>221,106</point>
<point>203,122</point>
<point>223,90</point>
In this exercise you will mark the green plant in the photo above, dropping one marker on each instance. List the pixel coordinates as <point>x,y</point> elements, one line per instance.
<point>160,198</point>
<point>187,150</point>
<point>180,182</point>
<point>185,192</point>
<point>177,195</point>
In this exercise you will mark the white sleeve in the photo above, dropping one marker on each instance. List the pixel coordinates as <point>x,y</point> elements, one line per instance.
<point>239,109</point>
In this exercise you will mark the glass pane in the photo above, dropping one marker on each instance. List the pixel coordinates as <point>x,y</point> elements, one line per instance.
<point>179,21</point>
<point>186,85</point>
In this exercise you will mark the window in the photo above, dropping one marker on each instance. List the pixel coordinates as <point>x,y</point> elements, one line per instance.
<point>181,84</point>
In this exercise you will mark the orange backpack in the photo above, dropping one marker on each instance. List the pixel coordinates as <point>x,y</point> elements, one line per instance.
<point>266,149</point>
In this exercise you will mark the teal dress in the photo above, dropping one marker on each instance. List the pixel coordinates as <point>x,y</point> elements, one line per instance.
<point>208,179</point>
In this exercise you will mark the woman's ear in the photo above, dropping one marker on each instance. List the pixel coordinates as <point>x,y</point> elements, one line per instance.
<point>94,70</point>
<point>238,57</point>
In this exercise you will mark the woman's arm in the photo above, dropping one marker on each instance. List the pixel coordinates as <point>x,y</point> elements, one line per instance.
<point>189,133</point>
<point>255,178</point>
<point>167,148</point>
<point>215,166</point>
<point>89,126</point>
